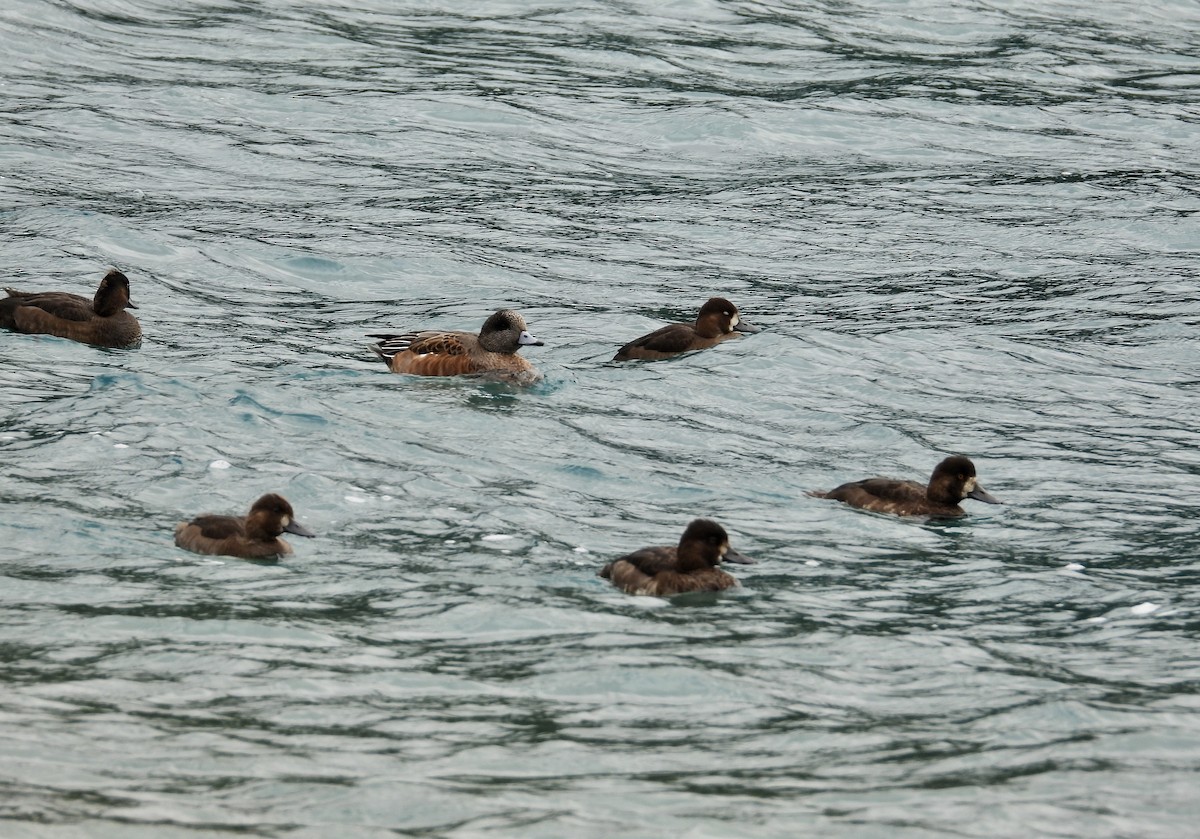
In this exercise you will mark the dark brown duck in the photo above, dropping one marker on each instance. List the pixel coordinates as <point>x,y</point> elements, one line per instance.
<point>689,566</point>
<point>718,321</point>
<point>253,536</point>
<point>101,321</point>
<point>953,480</point>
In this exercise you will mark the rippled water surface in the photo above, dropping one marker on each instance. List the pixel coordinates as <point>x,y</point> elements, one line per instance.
<point>965,227</point>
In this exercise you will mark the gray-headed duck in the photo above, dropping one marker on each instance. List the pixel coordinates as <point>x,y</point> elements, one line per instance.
<point>253,536</point>
<point>718,321</point>
<point>689,566</point>
<point>101,321</point>
<point>492,353</point>
<point>953,480</point>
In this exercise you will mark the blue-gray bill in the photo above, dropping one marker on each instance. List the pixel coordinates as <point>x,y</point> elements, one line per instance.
<point>980,494</point>
<point>299,529</point>
<point>741,559</point>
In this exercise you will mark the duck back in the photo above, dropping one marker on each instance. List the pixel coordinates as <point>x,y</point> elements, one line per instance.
<point>226,536</point>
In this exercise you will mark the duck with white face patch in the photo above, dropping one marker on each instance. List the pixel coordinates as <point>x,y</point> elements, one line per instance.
<point>676,569</point>
<point>952,481</point>
<point>252,536</point>
<point>719,320</point>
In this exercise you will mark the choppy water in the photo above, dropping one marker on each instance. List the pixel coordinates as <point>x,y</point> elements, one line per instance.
<point>966,227</point>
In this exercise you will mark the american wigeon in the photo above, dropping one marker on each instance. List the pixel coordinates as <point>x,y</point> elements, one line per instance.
<point>101,321</point>
<point>491,353</point>
<point>253,536</point>
<point>718,321</point>
<point>953,480</point>
<point>689,566</point>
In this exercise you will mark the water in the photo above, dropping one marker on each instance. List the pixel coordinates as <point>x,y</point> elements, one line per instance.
<point>965,228</point>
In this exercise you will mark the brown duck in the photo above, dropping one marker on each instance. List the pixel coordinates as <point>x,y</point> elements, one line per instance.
<point>953,480</point>
<point>689,566</point>
<point>492,353</point>
<point>253,536</point>
<point>718,321</point>
<point>101,321</point>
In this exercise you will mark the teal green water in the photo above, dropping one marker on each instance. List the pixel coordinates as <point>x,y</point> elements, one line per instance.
<point>964,228</point>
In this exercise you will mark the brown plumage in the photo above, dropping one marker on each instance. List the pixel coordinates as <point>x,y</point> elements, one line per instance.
<point>101,321</point>
<point>953,480</point>
<point>689,566</point>
<point>718,321</point>
<point>253,536</point>
<point>492,353</point>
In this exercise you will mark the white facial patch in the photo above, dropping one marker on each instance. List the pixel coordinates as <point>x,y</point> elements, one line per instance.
<point>969,486</point>
<point>736,320</point>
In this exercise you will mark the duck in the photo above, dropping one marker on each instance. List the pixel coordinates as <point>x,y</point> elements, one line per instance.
<point>101,321</point>
<point>253,536</point>
<point>718,321</point>
<point>689,566</point>
<point>491,353</point>
<point>952,480</point>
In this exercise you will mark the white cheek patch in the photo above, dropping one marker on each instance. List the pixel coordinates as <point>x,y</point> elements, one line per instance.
<point>736,320</point>
<point>287,520</point>
<point>969,486</point>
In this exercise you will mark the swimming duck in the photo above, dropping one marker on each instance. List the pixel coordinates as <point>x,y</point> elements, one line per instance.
<point>254,536</point>
<point>493,352</point>
<point>953,480</point>
<point>101,321</point>
<point>718,321</point>
<point>689,566</point>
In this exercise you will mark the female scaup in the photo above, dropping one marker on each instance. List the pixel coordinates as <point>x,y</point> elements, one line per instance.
<point>690,566</point>
<point>254,536</point>
<point>718,321</point>
<point>493,352</point>
<point>953,480</point>
<point>101,321</point>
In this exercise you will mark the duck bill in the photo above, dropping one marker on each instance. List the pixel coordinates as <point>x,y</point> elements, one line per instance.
<point>742,326</point>
<point>299,529</point>
<point>733,556</point>
<point>980,494</point>
<point>129,304</point>
<point>527,340</point>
